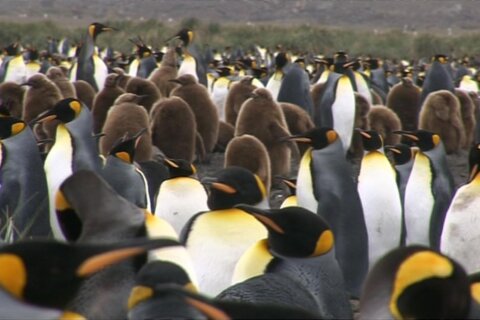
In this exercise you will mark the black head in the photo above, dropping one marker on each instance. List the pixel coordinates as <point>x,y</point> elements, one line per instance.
<point>12,49</point>
<point>424,139</point>
<point>234,185</point>
<point>96,28</point>
<point>10,126</point>
<point>318,138</point>
<point>371,139</point>
<point>185,35</point>
<point>179,168</point>
<point>402,153</point>
<point>442,58</point>
<point>124,149</point>
<point>281,60</point>
<point>65,110</point>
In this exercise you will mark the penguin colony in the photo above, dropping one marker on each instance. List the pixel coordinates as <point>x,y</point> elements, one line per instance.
<point>106,211</point>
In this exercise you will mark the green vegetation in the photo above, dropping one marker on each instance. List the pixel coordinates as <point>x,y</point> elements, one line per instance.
<point>317,39</point>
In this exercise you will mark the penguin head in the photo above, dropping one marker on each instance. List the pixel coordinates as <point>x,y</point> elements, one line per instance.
<point>281,60</point>
<point>38,80</point>
<point>290,183</point>
<point>440,58</point>
<point>124,149</point>
<point>294,231</point>
<point>49,273</point>
<point>474,161</point>
<point>141,49</point>
<point>224,71</point>
<point>185,79</point>
<point>185,35</point>
<point>415,282</point>
<point>65,110</point>
<point>111,81</point>
<point>402,153</point>
<point>54,73</point>
<point>179,168</point>
<point>318,138</point>
<point>94,29</point>
<point>424,139</point>
<point>12,49</point>
<point>371,139</point>
<point>157,273</point>
<point>234,185</point>
<point>261,94</point>
<point>10,126</point>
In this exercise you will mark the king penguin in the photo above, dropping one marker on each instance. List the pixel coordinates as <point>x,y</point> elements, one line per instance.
<point>167,71</point>
<point>89,66</point>
<point>437,77</point>
<point>13,67</point>
<point>295,88</point>
<point>103,100</point>
<point>239,92</point>
<point>378,190</point>
<point>275,81</point>
<point>416,282</point>
<point>23,186</point>
<point>291,199</point>
<point>181,195</point>
<point>429,190</point>
<point>459,236</point>
<point>74,149</point>
<point>217,238</point>
<point>299,251</point>
<point>325,185</point>
<point>219,90</point>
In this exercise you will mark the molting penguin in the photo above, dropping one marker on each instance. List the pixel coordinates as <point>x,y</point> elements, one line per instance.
<point>216,239</point>
<point>415,282</point>
<point>23,186</point>
<point>263,118</point>
<point>181,195</point>
<point>238,93</point>
<point>89,66</point>
<point>297,256</point>
<point>206,114</point>
<point>174,128</point>
<point>167,71</point>
<point>377,187</point>
<point>459,236</point>
<point>429,190</point>
<point>250,153</point>
<point>103,100</point>
<point>325,185</point>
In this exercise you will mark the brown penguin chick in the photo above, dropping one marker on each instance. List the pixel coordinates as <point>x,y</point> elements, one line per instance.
<point>250,153</point>
<point>298,121</point>
<point>167,71</point>
<point>440,113</point>
<point>404,100</point>
<point>263,118</point>
<point>144,88</point>
<point>238,93</point>
<point>476,102</point>
<point>127,118</point>
<point>317,92</point>
<point>174,128</point>
<point>225,133</point>
<point>11,96</point>
<point>42,94</point>
<point>467,110</point>
<point>362,108</point>
<point>104,100</point>
<point>85,92</point>
<point>123,78</point>
<point>205,111</point>
<point>385,122</point>
<point>61,81</point>
<point>376,98</point>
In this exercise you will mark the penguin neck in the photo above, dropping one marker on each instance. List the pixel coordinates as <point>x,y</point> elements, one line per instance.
<point>253,262</point>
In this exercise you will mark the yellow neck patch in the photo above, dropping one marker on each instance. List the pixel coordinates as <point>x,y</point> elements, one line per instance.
<point>261,186</point>
<point>139,294</point>
<point>13,274</point>
<point>17,127</point>
<point>61,202</point>
<point>76,107</point>
<point>124,156</point>
<point>475,291</point>
<point>418,267</point>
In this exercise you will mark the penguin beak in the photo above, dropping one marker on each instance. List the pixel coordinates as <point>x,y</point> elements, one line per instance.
<point>298,138</point>
<point>137,136</point>
<point>263,216</point>
<point>105,28</point>
<point>392,149</point>
<point>175,81</point>
<point>24,84</point>
<point>223,187</point>
<point>363,133</point>
<point>408,134</point>
<point>474,172</point>
<point>172,38</point>
<point>44,117</point>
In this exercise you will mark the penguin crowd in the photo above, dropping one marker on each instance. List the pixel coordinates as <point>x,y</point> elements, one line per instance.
<point>334,197</point>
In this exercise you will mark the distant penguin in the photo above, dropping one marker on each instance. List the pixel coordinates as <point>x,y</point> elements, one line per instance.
<point>217,238</point>
<point>167,71</point>
<point>291,199</point>
<point>459,236</point>
<point>467,110</point>
<point>145,59</point>
<point>437,78</point>
<point>74,148</point>
<point>85,92</point>
<point>384,121</point>
<point>238,93</point>
<point>298,121</point>
<point>181,195</point>
<point>144,88</point>
<point>263,118</point>
<point>219,90</point>
<point>362,108</point>
<point>206,114</point>
<point>13,67</point>
<point>174,128</point>
<point>89,66</point>
<point>299,251</point>
<point>429,190</point>
<point>123,78</point>
<point>295,88</point>
<point>127,118</point>
<point>381,203</point>
<point>123,175</point>
<point>275,81</point>
<point>12,95</point>
<point>23,186</point>
<point>325,185</point>
<point>404,100</point>
<point>61,81</point>
<point>413,282</point>
<point>441,114</point>
<point>226,133</point>
<point>103,100</point>
<point>249,152</point>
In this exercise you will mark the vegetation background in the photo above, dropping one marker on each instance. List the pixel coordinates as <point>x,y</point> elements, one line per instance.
<point>382,28</point>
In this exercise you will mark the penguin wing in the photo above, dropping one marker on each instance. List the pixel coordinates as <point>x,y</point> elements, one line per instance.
<point>442,202</point>
<point>188,227</point>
